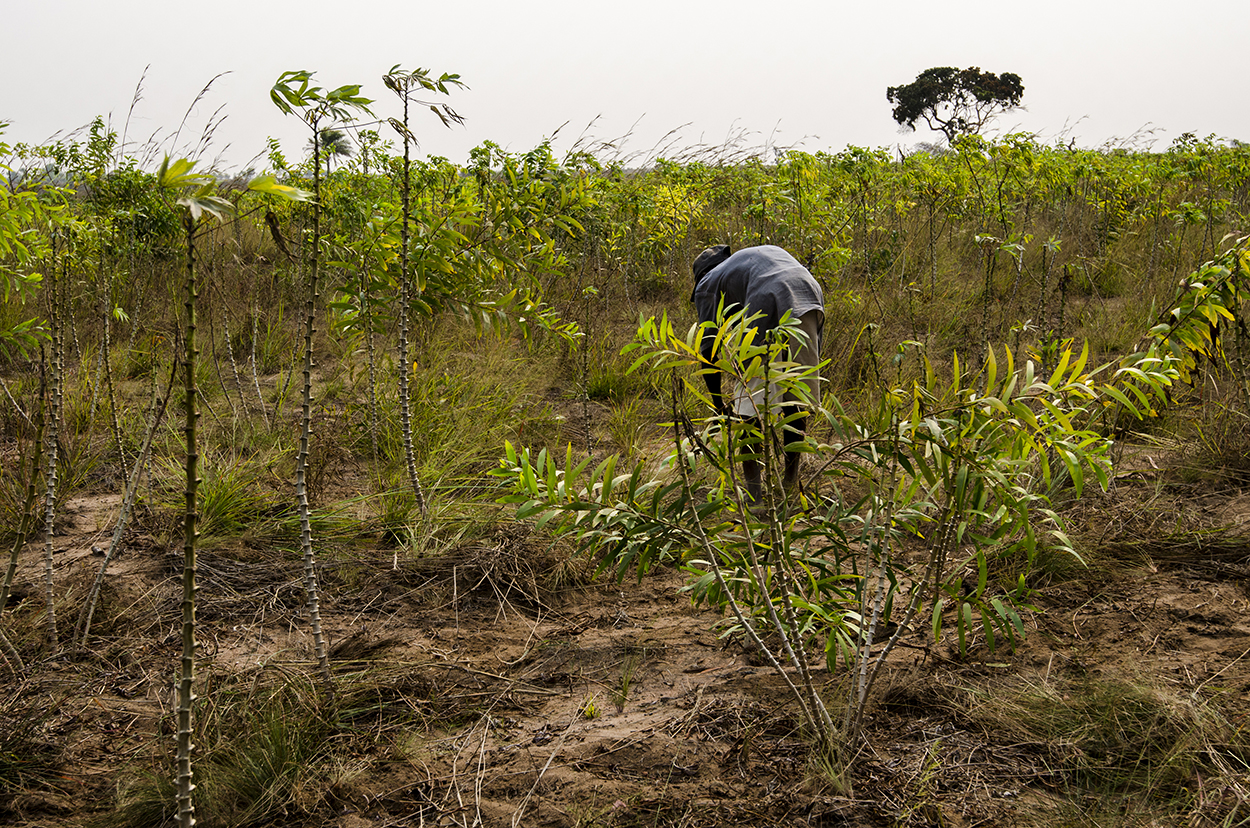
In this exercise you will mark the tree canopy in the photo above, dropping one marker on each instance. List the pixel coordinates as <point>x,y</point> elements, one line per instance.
<point>955,101</point>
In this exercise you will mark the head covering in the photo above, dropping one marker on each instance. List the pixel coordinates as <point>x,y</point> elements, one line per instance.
<point>707,260</point>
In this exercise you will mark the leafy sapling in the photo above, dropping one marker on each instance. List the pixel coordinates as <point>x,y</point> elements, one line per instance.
<point>406,85</point>
<point>295,94</point>
<point>195,194</point>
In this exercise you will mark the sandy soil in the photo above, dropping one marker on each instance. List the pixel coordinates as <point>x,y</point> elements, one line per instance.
<point>543,699</point>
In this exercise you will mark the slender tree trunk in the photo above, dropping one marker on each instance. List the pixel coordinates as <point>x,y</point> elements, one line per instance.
<point>1043,300</point>
<point>933,265</point>
<point>214,352</point>
<point>98,379</point>
<point>371,352</point>
<point>186,808</point>
<point>260,398</point>
<point>106,361</point>
<point>991,259</point>
<point>234,365</point>
<point>405,291</point>
<point>301,462</point>
<point>57,324</point>
<point>127,508</point>
<point>28,513</point>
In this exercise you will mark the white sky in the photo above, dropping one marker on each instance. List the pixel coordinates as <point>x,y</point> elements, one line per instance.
<point>787,72</point>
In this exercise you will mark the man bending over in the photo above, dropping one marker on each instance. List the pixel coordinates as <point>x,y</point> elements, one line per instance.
<point>770,281</point>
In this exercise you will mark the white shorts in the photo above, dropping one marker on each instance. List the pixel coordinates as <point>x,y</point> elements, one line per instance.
<point>746,402</point>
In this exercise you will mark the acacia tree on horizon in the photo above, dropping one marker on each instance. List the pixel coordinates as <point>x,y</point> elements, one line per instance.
<point>953,101</point>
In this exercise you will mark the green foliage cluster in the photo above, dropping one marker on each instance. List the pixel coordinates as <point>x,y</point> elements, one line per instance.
<point>486,243</point>
<point>861,213</point>
<point>1049,225</point>
<point>960,283</point>
<point>962,469</point>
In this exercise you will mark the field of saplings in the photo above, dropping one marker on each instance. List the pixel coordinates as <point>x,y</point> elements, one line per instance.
<point>369,489</point>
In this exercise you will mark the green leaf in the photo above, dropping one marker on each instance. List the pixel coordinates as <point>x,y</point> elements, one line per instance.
<point>1073,463</point>
<point>991,371</point>
<point>964,625</point>
<point>178,175</point>
<point>216,206</point>
<point>266,184</point>
<point>937,619</point>
<point>1118,395</point>
<point>1056,376</point>
<point>987,627</point>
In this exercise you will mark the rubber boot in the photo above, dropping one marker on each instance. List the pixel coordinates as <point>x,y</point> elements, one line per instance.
<point>751,474</point>
<point>791,479</point>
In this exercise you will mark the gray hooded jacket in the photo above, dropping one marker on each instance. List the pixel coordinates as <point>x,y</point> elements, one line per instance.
<point>764,279</point>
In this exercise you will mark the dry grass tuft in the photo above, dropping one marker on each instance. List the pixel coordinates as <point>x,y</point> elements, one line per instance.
<point>28,758</point>
<point>512,566</point>
<point>1120,743</point>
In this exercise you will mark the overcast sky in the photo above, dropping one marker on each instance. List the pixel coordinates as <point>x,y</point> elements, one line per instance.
<point>778,73</point>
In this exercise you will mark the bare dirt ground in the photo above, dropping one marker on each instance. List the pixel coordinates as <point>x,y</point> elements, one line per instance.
<point>532,696</point>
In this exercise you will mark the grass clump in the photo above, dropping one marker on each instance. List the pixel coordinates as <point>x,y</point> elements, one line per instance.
<point>27,760</point>
<point>1128,747</point>
<point>1222,448</point>
<point>233,496</point>
<point>267,754</point>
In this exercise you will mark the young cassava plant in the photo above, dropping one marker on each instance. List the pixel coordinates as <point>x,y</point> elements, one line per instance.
<point>195,194</point>
<point>959,467</point>
<point>406,85</point>
<point>316,107</point>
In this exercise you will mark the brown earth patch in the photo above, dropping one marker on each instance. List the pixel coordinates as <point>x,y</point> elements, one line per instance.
<point>507,688</point>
